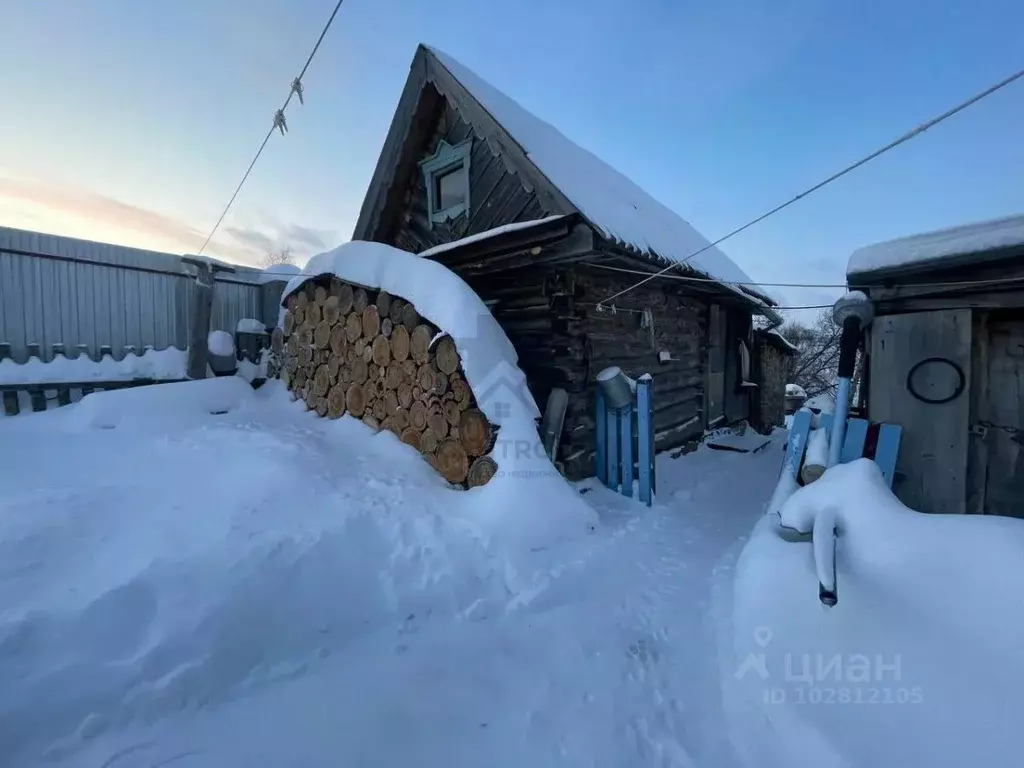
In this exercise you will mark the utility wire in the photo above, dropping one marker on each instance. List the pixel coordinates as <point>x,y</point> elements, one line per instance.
<point>843,286</point>
<point>278,124</point>
<point>892,145</point>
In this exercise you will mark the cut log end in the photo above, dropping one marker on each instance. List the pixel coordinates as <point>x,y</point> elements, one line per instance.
<point>481,471</point>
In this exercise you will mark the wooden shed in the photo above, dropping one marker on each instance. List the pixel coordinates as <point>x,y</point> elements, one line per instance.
<point>946,361</point>
<point>546,233</point>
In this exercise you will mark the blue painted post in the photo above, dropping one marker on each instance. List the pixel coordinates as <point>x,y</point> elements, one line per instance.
<point>602,437</point>
<point>838,433</point>
<point>853,445</point>
<point>626,448</point>
<point>645,439</point>
<point>888,449</point>
<point>612,427</point>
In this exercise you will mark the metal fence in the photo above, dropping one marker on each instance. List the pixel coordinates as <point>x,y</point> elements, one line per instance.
<point>60,290</point>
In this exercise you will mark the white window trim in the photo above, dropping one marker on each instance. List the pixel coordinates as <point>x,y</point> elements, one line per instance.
<point>444,160</point>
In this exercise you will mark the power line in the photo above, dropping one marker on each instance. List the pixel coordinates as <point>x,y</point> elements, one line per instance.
<point>892,145</point>
<point>278,124</point>
<point>844,286</point>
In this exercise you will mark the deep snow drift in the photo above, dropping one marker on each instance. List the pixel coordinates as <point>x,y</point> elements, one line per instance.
<point>919,662</point>
<point>217,577</point>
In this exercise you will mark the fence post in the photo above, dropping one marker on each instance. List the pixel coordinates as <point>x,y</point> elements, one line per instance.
<point>199,328</point>
<point>645,439</point>
<point>601,447</point>
<point>612,426</point>
<point>626,442</point>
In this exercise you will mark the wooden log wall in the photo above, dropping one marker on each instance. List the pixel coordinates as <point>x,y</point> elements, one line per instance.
<point>346,349</point>
<point>596,340</point>
<point>770,372</point>
<point>496,196</point>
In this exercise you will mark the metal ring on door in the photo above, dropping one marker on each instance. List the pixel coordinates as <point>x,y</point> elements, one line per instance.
<point>960,387</point>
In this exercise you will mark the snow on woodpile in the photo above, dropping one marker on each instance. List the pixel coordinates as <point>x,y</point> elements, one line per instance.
<point>932,248</point>
<point>157,364</point>
<point>403,344</point>
<point>615,205</point>
<point>919,661</point>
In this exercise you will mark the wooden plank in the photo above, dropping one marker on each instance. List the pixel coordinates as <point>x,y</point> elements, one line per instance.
<point>796,443</point>
<point>645,441</point>
<point>601,434</point>
<point>626,449</point>
<point>612,470</point>
<point>10,401</point>
<point>977,443</point>
<point>1003,418</point>
<point>932,462</point>
<point>853,445</point>
<point>888,450</point>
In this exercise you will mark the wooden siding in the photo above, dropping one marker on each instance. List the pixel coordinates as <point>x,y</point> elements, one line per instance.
<point>497,195</point>
<point>995,470</point>
<point>588,341</point>
<point>770,370</point>
<point>932,465</point>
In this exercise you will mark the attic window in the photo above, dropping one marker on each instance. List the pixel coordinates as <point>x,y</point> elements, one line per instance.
<point>446,174</point>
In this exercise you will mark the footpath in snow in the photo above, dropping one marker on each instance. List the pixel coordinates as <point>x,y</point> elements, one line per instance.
<point>228,580</point>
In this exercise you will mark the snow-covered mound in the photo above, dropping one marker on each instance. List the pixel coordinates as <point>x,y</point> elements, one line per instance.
<point>919,663</point>
<point>795,390</point>
<point>203,541</point>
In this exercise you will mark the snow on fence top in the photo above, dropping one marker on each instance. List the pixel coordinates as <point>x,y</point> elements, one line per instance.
<point>616,206</point>
<point>488,358</point>
<point>932,248</point>
<point>157,364</point>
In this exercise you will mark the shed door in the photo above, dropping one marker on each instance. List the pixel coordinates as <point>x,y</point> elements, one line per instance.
<point>999,412</point>
<point>714,391</point>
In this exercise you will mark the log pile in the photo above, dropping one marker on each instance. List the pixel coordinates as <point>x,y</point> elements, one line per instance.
<point>345,349</point>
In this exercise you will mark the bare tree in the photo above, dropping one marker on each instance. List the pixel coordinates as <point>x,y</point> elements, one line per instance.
<point>815,365</point>
<point>277,258</point>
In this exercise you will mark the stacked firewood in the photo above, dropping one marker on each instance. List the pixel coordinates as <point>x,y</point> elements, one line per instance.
<point>345,349</point>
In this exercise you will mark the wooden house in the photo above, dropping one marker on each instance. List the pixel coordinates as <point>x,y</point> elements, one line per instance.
<point>547,234</point>
<point>945,359</point>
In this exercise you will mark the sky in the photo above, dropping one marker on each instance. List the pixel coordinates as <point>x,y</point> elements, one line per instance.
<point>132,122</point>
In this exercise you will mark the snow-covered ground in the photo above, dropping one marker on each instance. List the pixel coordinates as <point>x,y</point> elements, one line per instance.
<point>202,575</point>
<point>258,586</point>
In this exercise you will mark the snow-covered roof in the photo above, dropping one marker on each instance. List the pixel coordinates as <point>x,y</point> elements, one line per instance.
<point>785,342</point>
<point>490,233</point>
<point>614,205</point>
<point>980,240</point>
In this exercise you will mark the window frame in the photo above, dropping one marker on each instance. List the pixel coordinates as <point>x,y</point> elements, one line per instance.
<point>445,160</point>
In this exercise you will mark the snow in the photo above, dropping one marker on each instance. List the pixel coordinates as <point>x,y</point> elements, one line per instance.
<point>821,404</point>
<point>221,343</point>
<point>611,202</point>
<point>218,578</point>
<point>774,332</point>
<point>919,662</point>
<point>519,225</point>
<point>278,273</point>
<point>250,325</point>
<point>265,587</point>
<point>795,390</point>
<point>159,364</point>
<point>817,448</point>
<point>932,248</point>
<point>855,296</point>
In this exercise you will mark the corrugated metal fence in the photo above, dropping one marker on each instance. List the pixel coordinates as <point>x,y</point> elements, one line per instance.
<point>59,290</point>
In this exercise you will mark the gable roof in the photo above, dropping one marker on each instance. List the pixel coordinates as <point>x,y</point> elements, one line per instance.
<point>567,177</point>
<point>975,243</point>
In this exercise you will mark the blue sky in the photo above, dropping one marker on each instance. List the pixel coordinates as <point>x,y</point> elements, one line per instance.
<point>132,122</point>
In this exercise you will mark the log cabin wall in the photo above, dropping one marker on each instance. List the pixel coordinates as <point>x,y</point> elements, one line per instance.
<point>497,196</point>
<point>586,341</point>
